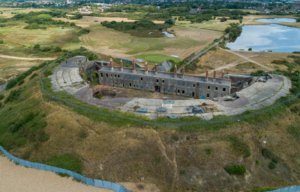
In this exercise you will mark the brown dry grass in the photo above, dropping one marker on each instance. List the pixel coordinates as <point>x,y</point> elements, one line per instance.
<point>10,68</point>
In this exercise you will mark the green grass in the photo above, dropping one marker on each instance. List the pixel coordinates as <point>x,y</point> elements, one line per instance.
<point>240,147</point>
<point>235,169</point>
<point>65,161</point>
<point>156,58</point>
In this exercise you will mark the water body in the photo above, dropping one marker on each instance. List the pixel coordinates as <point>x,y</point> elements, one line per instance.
<point>277,38</point>
<point>277,20</point>
<point>167,34</point>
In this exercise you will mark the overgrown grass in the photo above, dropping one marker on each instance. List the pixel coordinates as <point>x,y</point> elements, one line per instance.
<point>235,169</point>
<point>65,161</point>
<point>240,147</point>
<point>156,58</point>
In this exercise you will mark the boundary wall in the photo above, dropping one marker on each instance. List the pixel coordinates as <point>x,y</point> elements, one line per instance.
<point>93,182</point>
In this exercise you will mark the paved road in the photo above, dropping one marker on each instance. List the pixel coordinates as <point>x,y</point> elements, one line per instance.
<point>25,58</point>
<point>201,53</point>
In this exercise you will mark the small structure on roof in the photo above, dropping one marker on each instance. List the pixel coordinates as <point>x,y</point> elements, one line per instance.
<point>162,109</point>
<point>165,66</point>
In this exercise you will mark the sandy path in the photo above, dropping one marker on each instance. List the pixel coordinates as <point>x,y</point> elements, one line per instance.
<point>247,59</point>
<point>16,178</point>
<point>25,58</point>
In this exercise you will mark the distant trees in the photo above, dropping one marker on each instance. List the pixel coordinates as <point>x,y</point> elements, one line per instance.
<point>223,19</point>
<point>234,30</point>
<point>298,20</point>
<point>170,21</point>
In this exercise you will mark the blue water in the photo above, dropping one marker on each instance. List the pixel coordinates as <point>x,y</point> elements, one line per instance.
<point>277,38</point>
<point>277,20</point>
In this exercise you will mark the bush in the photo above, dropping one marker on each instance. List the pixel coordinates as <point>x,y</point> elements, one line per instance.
<point>37,46</point>
<point>75,40</point>
<point>83,134</point>
<point>170,21</point>
<point>33,76</point>
<point>28,117</point>
<point>48,73</point>
<point>208,151</point>
<point>240,147</point>
<point>272,165</point>
<point>223,19</point>
<point>13,95</point>
<point>65,161</point>
<point>12,83</point>
<point>21,82</point>
<point>175,137</point>
<point>267,153</point>
<point>235,169</point>
<point>1,97</point>
<point>1,41</point>
<point>275,160</point>
<point>257,162</point>
<point>46,49</point>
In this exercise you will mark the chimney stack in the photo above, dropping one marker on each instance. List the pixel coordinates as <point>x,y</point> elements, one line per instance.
<point>222,74</point>
<point>121,65</point>
<point>215,73</point>
<point>156,69</point>
<point>206,74</point>
<point>133,66</point>
<point>111,64</point>
<point>182,70</point>
<point>146,67</point>
<point>175,71</point>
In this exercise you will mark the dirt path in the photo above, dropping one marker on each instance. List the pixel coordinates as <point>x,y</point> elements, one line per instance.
<point>17,178</point>
<point>247,59</point>
<point>25,58</point>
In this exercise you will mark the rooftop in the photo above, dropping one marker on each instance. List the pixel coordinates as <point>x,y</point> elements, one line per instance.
<point>191,78</point>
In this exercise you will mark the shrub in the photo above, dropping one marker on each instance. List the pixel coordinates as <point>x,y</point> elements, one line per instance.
<point>48,73</point>
<point>223,19</point>
<point>13,95</point>
<point>257,162</point>
<point>28,117</point>
<point>175,137</point>
<point>182,172</point>
<point>240,147</point>
<point>1,41</point>
<point>37,46</point>
<point>12,83</point>
<point>275,160</point>
<point>21,82</point>
<point>1,96</point>
<point>272,165</point>
<point>65,161</point>
<point>83,134</point>
<point>99,95</point>
<point>188,138</point>
<point>170,21</point>
<point>235,169</point>
<point>208,151</point>
<point>33,76</point>
<point>46,49</point>
<point>267,153</point>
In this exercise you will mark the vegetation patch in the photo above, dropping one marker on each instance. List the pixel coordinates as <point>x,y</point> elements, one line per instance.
<point>240,147</point>
<point>66,162</point>
<point>235,169</point>
<point>156,58</point>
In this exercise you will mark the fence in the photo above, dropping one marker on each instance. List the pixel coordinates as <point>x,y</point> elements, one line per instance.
<point>93,182</point>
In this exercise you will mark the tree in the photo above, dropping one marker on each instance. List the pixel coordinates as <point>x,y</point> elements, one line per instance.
<point>223,19</point>
<point>37,46</point>
<point>250,49</point>
<point>170,21</point>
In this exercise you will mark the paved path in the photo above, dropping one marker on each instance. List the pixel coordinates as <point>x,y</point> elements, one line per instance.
<point>25,58</point>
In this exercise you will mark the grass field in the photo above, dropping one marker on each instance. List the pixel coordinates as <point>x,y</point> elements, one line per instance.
<point>188,39</point>
<point>16,38</point>
<point>156,58</point>
<point>7,12</point>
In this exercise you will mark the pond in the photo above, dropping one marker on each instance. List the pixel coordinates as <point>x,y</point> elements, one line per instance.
<point>277,20</point>
<point>277,38</point>
<point>167,34</point>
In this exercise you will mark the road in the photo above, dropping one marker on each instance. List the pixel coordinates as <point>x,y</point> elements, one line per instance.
<point>25,58</point>
<point>202,52</point>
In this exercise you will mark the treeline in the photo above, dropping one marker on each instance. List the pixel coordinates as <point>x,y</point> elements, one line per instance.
<point>234,30</point>
<point>137,25</point>
<point>43,19</point>
<point>196,18</point>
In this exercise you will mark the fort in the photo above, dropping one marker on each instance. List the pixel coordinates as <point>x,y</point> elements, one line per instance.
<point>165,82</point>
